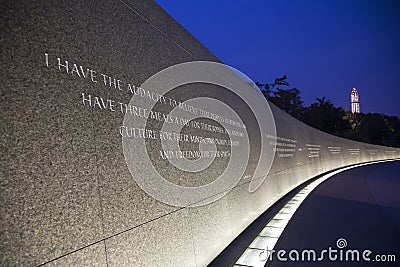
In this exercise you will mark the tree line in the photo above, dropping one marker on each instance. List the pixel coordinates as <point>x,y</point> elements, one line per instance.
<point>373,128</point>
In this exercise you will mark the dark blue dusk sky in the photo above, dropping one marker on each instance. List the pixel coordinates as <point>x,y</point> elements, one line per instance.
<point>325,47</point>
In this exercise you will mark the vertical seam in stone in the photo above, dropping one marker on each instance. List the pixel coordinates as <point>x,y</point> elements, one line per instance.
<point>192,232</point>
<point>155,27</point>
<point>99,192</point>
<point>105,250</point>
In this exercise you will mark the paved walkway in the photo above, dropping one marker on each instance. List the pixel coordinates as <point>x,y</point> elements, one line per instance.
<point>360,206</point>
<point>358,209</point>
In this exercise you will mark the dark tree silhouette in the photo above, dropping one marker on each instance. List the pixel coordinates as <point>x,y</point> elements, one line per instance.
<point>288,100</point>
<point>374,128</point>
<point>394,125</point>
<point>324,116</point>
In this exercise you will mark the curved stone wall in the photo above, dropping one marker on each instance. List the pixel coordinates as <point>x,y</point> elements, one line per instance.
<point>93,173</point>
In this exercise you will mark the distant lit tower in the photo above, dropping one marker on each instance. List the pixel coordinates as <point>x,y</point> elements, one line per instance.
<point>355,101</point>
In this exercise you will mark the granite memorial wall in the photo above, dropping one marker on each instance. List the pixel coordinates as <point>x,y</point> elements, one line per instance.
<point>125,142</point>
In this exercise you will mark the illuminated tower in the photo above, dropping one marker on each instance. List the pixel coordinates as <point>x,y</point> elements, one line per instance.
<point>355,101</point>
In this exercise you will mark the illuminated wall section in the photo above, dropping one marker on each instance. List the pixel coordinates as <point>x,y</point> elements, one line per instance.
<point>112,157</point>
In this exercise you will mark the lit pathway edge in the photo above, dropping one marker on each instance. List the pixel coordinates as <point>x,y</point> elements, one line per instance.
<point>258,251</point>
